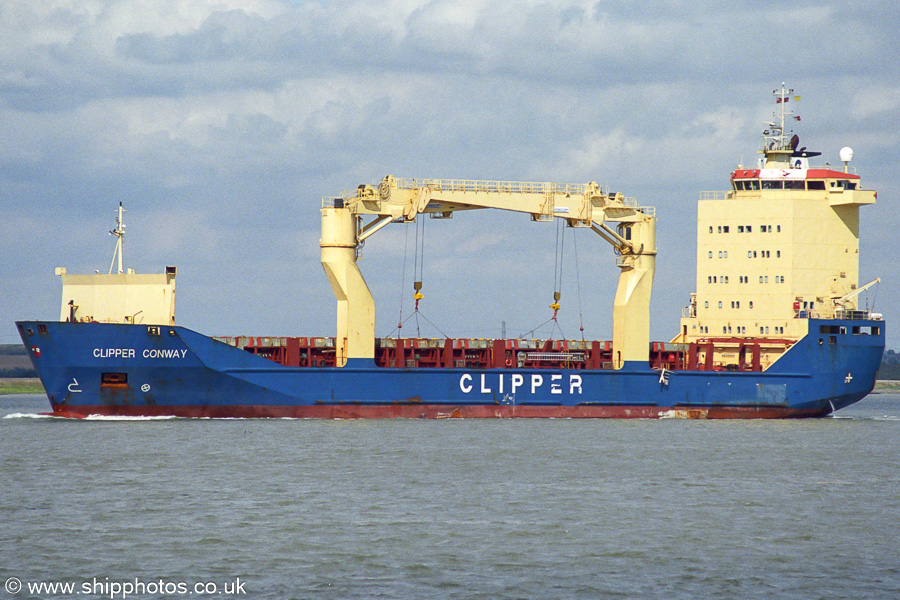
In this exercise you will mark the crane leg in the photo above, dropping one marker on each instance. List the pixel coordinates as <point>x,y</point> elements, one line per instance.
<point>355,306</point>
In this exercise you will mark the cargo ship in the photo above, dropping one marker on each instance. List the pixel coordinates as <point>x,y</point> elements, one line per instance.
<point>774,329</point>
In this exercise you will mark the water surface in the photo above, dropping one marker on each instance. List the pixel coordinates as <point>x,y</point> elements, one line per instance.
<point>457,508</point>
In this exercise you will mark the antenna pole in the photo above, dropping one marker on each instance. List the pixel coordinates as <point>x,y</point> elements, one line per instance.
<point>782,101</point>
<point>119,232</point>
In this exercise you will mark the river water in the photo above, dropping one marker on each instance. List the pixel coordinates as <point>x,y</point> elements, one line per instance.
<point>487,509</point>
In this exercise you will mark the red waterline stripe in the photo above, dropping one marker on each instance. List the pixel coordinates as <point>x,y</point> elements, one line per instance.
<point>432,411</point>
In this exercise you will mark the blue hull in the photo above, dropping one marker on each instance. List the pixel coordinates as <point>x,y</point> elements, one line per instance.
<point>94,368</point>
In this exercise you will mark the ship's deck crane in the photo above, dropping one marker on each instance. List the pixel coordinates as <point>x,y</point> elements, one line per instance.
<point>842,301</point>
<point>581,205</point>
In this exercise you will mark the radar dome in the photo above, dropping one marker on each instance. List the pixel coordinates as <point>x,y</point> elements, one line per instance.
<point>846,154</point>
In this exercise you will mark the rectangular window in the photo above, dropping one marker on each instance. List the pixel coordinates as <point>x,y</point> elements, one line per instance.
<point>725,229</point>
<point>113,380</point>
<point>749,229</point>
<point>815,185</point>
<point>740,229</point>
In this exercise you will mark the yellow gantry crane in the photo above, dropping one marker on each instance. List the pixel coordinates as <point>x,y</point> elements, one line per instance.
<point>402,200</point>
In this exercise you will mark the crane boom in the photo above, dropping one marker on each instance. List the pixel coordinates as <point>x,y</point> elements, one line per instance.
<point>853,294</point>
<point>581,205</point>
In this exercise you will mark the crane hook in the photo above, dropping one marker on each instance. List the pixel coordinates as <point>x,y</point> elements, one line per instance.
<point>417,285</point>
<point>555,305</point>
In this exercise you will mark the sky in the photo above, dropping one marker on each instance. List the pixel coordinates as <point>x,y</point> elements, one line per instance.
<point>221,125</point>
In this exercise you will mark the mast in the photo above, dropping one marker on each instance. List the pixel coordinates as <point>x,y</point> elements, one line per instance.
<point>119,232</point>
<point>777,143</point>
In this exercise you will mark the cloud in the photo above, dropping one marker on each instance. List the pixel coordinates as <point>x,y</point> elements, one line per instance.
<point>222,123</point>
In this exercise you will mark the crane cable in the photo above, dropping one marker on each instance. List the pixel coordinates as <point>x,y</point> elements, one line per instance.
<point>403,278</point>
<point>557,286</point>
<point>419,262</point>
<point>557,267</point>
<point>418,273</point>
<point>578,285</point>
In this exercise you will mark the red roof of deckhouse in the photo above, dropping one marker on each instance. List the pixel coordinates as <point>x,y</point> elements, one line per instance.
<point>791,174</point>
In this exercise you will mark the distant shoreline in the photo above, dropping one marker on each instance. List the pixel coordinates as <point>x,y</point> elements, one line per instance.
<point>32,385</point>
<point>887,385</point>
<point>20,385</point>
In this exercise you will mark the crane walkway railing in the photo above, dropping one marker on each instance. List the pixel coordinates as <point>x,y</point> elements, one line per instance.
<point>496,187</point>
<point>501,187</point>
